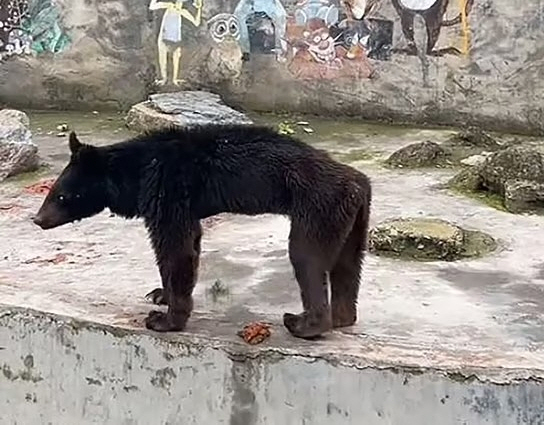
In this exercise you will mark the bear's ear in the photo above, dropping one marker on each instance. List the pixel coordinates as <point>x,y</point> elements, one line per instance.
<point>74,143</point>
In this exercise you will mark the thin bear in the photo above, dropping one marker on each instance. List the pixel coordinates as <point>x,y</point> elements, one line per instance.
<point>174,178</point>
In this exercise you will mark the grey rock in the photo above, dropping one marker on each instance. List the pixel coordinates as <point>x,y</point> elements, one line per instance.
<point>515,173</point>
<point>422,239</point>
<point>514,163</point>
<point>523,196</point>
<point>428,239</point>
<point>18,154</point>
<point>467,179</point>
<point>473,137</point>
<point>423,154</point>
<point>475,159</point>
<point>182,109</point>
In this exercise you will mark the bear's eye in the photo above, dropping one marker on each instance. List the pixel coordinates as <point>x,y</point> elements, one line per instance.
<point>78,196</point>
<point>61,198</point>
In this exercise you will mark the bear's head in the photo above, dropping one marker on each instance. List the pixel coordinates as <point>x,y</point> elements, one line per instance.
<point>79,191</point>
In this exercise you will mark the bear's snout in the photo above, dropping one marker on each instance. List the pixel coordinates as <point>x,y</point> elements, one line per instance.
<point>39,221</point>
<point>44,222</point>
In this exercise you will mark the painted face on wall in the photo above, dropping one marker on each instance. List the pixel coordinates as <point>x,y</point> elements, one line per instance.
<point>222,26</point>
<point>320,44</point>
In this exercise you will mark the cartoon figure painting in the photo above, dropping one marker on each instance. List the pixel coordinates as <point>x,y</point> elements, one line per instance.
<point>222,26</point>
<point>322,9</point>
<point>373,36</point>
<point>170,34</point>
<point>433,12</point>
<point>317,54</point>
<point>273,9</point>
<point>30,26</point>
<point>224,62</point>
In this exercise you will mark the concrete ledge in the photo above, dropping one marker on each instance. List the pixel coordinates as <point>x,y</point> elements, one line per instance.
<point>65,371</point>
<point>436,343</point>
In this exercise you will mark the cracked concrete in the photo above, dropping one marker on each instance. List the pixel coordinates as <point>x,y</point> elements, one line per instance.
<point>449,343</point>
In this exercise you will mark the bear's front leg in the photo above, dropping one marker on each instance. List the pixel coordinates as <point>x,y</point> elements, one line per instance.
<point>178,260</point>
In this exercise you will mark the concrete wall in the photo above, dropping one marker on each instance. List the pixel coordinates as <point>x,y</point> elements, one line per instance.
<point>481,62</point>
<point>58,371</point>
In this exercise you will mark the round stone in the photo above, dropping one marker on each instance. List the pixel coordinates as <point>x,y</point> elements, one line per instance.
<point>428,239</point>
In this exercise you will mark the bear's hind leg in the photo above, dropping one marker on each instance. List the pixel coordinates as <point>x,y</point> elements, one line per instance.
<point>177,254</point>
<point>346,273</point>
<point>310,271</point>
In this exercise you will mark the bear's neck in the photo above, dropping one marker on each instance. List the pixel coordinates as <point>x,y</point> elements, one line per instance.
<point>122,184</point>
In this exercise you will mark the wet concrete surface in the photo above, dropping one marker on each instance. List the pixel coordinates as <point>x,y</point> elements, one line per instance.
<point>481,313</point>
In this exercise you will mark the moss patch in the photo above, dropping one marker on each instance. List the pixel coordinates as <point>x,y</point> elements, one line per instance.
<point>490,199</point>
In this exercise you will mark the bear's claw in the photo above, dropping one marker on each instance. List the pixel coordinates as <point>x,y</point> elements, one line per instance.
<point>163,322</point>
<point>156,296</point>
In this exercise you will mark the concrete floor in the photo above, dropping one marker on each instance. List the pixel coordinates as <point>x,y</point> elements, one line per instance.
<point>482,316</point>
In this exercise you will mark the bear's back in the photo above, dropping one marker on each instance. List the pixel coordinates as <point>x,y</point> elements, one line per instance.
<point>222,146</point>
<point>238,168</point>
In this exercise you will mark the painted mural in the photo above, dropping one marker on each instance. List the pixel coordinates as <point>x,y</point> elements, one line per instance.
<point>317,39</point>
<point>433,12</point>
<point>263,25</point>
<point>224,57</point>
<point>224,26</point>
<point>176,13</point>
<point>30,27</point>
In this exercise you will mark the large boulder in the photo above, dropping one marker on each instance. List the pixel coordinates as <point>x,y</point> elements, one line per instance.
<point>182,109</point>
<point>18,154</point>
<point>422,154</point>
<point>473,137</point>
<point>523,196</point>
<point>516,174</point>
<point>514,163</point>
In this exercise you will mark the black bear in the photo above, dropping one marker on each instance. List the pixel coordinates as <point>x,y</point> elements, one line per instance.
<point>176,177</point>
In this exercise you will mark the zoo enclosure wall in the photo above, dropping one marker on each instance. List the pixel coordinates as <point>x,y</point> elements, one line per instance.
<point>453,62</point>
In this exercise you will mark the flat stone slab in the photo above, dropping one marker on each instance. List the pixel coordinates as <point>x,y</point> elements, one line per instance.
<point>423,238</point>
<point>182,109</point>
<point>428,239</point>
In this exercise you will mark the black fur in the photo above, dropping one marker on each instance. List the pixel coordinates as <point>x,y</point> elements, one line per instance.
<point>174,178</point>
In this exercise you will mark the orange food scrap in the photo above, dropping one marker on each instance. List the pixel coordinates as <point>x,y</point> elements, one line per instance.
<point>255,333</point>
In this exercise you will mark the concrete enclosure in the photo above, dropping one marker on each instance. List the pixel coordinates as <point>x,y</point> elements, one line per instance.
<point>436,343</point>
<point>441,61</point>
<point>60,371</point>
